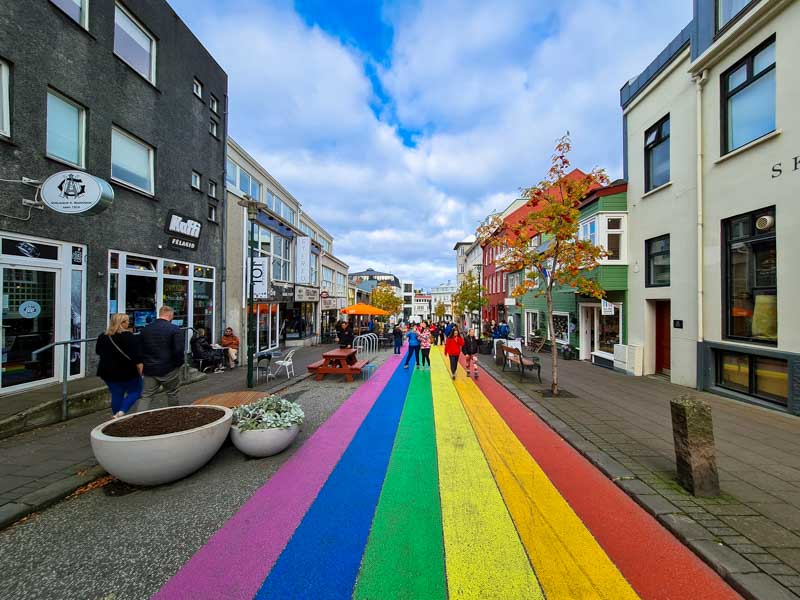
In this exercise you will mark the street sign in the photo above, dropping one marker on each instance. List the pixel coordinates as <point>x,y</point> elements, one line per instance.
<point>260,276</point>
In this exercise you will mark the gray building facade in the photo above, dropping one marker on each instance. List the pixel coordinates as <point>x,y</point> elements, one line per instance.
<point>123,92</point>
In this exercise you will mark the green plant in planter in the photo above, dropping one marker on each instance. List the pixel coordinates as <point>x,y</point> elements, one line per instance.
<point>269,412</point>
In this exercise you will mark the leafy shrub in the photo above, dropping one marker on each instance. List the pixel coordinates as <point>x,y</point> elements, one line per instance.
<point>269,412</point>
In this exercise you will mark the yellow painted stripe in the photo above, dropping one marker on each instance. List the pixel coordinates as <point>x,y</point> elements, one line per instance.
<point>567,559</point>
<point>484,557</point>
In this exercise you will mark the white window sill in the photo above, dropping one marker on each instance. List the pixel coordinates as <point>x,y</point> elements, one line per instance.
<point>132,188</point>
<point>746,147</point>
<point>604,355</point>
<point>656,190</point>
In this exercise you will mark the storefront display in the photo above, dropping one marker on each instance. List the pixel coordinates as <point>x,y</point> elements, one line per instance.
<point>43,287</point>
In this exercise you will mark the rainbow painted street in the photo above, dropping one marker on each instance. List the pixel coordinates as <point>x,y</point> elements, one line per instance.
<point>424,487</point>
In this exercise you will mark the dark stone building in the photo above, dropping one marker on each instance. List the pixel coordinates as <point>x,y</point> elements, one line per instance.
<point>123,92</point>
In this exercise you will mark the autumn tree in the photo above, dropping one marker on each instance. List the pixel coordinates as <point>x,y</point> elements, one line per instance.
<point>470,296</point>
<point>439,310</point>
<point>544,243</point>
<point>384,297</point>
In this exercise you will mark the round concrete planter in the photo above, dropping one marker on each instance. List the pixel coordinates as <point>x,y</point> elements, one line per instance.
<point>158,459</point>
<point>263,442</point>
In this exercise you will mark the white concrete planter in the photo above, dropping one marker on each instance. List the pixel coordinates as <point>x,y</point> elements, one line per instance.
<point>263,442</point>
<point>158,459</point>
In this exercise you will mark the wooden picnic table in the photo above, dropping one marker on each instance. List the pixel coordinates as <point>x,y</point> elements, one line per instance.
<point>341,361</point>
<point>231,399</point>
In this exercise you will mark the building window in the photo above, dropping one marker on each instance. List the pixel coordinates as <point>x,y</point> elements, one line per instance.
<point>5,121</point>
<point>196,179</point>
<point>656,155</point>
<point>728,9</point>
<point>212,213</point>
<point>327,279</point>
<point>247,184</point>
<point>197,88</point>
<point>607,231</point>
<point>212,188</point>
<point>76,9</point>
<point>589,231</point>
<point>561,327</point>
<point>748,98</point>
<point>657,256</point>
<point>751,269</point>
<point>213,128</point>
<point>760,376</point>
<point>213,103</point>
<point>281,258</point>
<point>65,129</point>
<point>614,238</point>
<point>134,45</point>
<point>314,269</point>
<point>131,161</point>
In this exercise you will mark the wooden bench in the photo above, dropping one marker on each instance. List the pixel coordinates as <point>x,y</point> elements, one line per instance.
<point>512,355</point>
<point>348,372</point>
<point>314,366</point>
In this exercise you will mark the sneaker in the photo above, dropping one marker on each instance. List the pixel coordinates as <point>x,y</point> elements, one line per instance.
<point>405,366</point>
<point>467,374</point>
<point>453,377</point>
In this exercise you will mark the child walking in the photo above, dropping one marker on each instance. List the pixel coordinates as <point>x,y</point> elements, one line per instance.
<point>452,347</point>
<point>425,344</point>
<point>470,350</point>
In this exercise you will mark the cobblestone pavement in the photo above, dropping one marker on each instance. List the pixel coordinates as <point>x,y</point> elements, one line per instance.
<point>751,534</point>
<point>39,466</point>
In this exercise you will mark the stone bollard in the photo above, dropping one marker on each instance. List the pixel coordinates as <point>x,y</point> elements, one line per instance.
<point>693,433</point>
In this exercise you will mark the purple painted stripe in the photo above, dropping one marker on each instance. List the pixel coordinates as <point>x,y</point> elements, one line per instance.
<point>236,560</point>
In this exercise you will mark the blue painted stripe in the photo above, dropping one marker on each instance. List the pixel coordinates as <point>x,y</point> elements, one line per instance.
<point>323,557</point>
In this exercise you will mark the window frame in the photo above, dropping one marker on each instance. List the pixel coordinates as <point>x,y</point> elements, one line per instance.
<point>752,374</point>
<point>213,104</point>
<point>197,88</point>
<point>152,161</point>
<point>212,212</point>
<point>212,188</point>
<point>81,164</point>
<point>748,60</point>
<point>558,313</point>
<point>727,280</point>
<point>84,20</point>
<point>153,44</point>
<point>721,27</point>
<point>5,97</point>
<point>213,128</point>
<point>648,255</point>
<point>199,177</point>
<point>648,151</point>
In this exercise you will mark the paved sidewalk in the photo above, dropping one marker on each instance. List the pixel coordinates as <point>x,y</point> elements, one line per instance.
<point>751,534</point>
<point>39,467</point>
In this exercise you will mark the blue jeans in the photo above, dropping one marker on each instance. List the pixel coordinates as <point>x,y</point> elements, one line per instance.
<point>415,351</point>
<point>398,343</point>
<point>124,394</point>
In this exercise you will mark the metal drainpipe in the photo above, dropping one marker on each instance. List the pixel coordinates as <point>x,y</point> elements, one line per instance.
<point>699,83</point>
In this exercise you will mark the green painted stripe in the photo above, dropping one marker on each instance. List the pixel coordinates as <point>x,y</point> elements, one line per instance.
<point>405,552</point>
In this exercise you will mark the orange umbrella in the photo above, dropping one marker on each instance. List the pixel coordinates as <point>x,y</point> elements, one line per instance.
<point>364,309</point>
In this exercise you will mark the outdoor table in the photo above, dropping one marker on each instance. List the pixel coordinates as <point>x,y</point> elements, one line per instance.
<point>341,361</point>
<point>231,399</point>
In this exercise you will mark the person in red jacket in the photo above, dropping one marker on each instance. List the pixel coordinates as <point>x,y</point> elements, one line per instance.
<point>452,347</point>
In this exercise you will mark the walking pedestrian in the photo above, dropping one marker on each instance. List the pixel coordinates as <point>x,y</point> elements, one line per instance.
<point>452,348</point>
<point>162,348</point>
<point>413,345</point>
<point>425,344</point>
<point>120,365</point>
<point>231,344</point>
<point>397,335</point>
<point>434,333</point>
<point>470,350</point>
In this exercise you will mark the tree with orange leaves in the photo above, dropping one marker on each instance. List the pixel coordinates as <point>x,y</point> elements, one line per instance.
<point>544,243</point>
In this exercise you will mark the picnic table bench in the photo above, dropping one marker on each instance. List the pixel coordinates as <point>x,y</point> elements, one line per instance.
<point>338,362</point>
<point>515,356</point>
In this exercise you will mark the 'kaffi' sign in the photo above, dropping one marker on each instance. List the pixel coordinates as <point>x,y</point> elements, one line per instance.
<point>185,231</point>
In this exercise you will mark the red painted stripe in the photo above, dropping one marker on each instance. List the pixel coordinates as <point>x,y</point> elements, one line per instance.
<point>655,563</point>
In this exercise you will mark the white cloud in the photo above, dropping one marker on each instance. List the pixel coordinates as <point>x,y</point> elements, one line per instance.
<point>488,85</point>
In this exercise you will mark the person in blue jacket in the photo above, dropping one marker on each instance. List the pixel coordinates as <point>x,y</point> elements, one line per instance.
<point>413,345</point>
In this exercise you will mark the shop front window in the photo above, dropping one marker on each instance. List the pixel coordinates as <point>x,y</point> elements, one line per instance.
<point>75,321</point>
<point>176,296</point>
<point>561,327</point>
<point>140,300</point>
<point>203,306</point>
<point>751,276</point>
<point>608,332</point>
<point>760,376</point>
<point>176,268</point>
<point>657,273</point>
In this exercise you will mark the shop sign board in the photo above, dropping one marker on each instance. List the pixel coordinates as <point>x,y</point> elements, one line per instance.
<point>29,249</point>
<point>329,303</point>
<point>303,259</point>
<point>511,302</point>
<point>76,192</point>
<point>260,271</point>
<point>184,231</point>
<point>306,294</point>
<point>30,309</point>
<point>607,308</point>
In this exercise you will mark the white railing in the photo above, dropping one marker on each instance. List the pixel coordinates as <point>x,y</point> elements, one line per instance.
<point>366,344</point>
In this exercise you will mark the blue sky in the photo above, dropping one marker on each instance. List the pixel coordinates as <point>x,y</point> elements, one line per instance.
<point>398,125</point>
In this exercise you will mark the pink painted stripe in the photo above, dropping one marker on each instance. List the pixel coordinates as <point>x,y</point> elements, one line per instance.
<point>236,560</point>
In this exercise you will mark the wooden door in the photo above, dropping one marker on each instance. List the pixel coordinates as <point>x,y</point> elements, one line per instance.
<point>663,334</point>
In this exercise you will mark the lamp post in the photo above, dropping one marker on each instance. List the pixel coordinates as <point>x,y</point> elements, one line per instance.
<point>252,215</point>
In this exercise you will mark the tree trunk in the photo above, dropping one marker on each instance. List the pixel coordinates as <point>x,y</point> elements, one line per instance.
<point>553,343</point>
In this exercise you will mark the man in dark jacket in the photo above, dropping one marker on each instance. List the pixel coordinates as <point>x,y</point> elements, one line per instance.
<point>162,348</point>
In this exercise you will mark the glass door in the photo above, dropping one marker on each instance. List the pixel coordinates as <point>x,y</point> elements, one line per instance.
<point>30,299</point>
